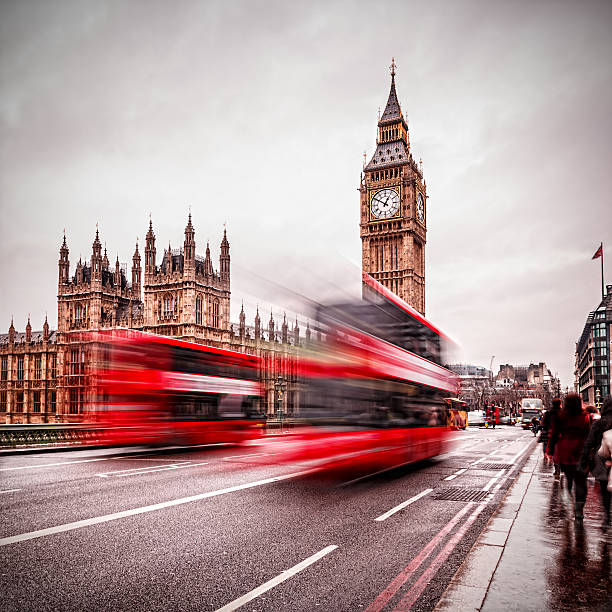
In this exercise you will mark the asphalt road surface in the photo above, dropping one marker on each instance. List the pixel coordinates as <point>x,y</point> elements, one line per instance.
<point>213,529</point>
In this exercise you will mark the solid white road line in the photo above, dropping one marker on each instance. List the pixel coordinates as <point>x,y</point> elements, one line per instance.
<point>11,490</point>
<point>492,481</point>
<point>514,459</point>
<point>161,469</point>
<point>150,468</point>
<point>249,455</point>
<point>401,506</point>
<point>457,473</point>
<point>266,586</point>
<point>46,465</point>
<point>125,513</point>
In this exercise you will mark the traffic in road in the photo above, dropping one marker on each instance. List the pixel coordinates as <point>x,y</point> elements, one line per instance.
<point>223,527</point>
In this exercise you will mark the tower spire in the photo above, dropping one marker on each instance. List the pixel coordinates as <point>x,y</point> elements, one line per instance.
<point>392,111</point>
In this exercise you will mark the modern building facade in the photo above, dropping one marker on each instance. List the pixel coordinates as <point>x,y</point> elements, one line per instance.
<point>592,373</point>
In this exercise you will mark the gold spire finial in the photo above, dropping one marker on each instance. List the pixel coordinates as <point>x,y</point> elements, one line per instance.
<point>392,67</point>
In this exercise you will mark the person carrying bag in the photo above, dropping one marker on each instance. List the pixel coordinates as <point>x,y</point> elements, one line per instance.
<point>591,460</point>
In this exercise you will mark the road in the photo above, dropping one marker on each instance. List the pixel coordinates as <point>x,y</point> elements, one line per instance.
<point>207,529</point>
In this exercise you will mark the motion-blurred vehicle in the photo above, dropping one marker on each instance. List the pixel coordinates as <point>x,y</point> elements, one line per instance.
<point>158,390</point>
<point>374,388</point>
<point>491,416</point>
<point>530,408</point>
<point>457,413</point>
<point>476,418</point>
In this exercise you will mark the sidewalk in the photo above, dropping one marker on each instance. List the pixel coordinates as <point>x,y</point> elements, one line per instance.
<point>532,555</point>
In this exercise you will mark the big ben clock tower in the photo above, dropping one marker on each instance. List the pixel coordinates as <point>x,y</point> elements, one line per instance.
<point>393,210</point>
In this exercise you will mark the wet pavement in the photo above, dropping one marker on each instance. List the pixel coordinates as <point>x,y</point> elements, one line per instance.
<point>533,555</point>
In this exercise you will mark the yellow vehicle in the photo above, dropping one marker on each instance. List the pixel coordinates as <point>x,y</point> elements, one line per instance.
<point>456,413</point>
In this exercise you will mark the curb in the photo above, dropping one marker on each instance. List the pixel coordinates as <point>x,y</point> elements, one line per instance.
<point>470,584</point>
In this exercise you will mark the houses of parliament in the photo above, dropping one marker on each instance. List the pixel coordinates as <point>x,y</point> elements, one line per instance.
<point>43,374</point>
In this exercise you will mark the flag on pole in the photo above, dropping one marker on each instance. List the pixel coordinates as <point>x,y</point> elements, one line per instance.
<point>598,252</point>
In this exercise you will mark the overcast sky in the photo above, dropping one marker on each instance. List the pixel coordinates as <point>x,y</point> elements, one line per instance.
<point>257,115</point>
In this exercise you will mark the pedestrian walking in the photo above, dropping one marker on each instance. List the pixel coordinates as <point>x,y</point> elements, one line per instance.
<point>591,461</point>
<point>566,442</point>
<point>592,410</point>
<point>547,424</point>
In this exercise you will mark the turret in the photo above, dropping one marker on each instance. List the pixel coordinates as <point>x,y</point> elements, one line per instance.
<point>64,263</point>
<point>136,274</point>
<point>242,322</point>
<point>284,330</point>
<point>150,254</point>
<point>224,259</point>
<point>208,267</point>
<point>308,332</point>
<point>271,328</point>
<point>96,259</point>
<point>28,335</point>
<point>11,333</point>
<point>105,262</point>
<point>79,272</point>
<point>169,259</point>
<point>117,276</point>
<point>257,325</point>
<point>296,333</point>
<point>189,251</point>
<point>45,330</point>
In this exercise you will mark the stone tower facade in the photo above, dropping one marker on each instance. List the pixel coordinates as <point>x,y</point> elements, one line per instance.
<point>97,296</point>
<point>185,296</point>
<point>393,199</point>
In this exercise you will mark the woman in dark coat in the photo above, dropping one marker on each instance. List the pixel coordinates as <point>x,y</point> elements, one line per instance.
<point>548,421</point>
<point>591,461</point>
<point>569,433</point>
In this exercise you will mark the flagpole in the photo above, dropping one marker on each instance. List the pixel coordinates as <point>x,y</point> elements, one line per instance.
<point>602,273</point>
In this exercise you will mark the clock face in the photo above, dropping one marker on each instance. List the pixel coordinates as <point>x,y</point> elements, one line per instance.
<point>385,204</point>
<point>420,207</point>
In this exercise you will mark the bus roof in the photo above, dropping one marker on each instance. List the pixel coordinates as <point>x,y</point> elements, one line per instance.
<point>131,335</point>
<point>397,301</point>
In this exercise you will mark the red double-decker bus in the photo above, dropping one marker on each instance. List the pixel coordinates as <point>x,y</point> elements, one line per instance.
<point>157,390</point>
<point>375,389</point>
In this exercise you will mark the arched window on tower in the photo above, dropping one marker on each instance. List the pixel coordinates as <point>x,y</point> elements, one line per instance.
<point>199,310</point>
<point>215,313</point>
<point>168,306</point>
<point>78,314</point>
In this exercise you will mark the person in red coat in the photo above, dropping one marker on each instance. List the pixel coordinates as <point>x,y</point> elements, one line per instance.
<point>569,433</point>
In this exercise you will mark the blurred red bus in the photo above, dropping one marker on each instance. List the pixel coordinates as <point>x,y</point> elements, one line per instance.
<point>157,390</point>
<point>374,388</point>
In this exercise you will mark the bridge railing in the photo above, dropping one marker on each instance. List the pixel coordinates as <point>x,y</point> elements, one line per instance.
<point>79,434</point>
<point>12,436</point>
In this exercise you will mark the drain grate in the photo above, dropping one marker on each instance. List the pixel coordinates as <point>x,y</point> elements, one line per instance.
<point>493,466</point>
<point>460,494</point>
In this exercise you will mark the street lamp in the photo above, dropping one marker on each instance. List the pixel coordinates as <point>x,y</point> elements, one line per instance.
<point>279,388</point>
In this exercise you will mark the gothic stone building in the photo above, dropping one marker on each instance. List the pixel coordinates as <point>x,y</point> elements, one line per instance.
<point>393,199</point>
<point>45,376</point>
<point>28,373</point>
